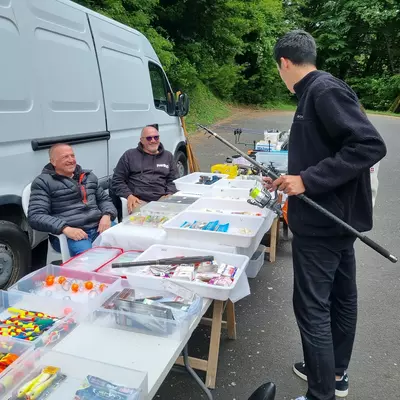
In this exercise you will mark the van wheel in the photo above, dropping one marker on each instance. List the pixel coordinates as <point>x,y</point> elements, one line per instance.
<point>181,164</point>
<point>15,254</point>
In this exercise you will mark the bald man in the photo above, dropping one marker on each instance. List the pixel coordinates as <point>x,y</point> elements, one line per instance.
<point>68,199</point>
<point>146,173</point>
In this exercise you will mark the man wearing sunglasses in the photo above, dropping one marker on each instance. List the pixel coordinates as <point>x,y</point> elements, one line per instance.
<point>146,173</point>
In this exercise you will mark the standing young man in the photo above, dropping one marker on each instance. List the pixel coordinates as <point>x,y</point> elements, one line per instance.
<point>331,150</point>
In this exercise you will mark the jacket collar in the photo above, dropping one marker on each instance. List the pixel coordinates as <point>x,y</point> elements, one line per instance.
<point>301,86</point>
<point>49,169</point>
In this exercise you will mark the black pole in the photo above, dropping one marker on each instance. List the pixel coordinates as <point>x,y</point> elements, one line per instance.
<point>365,239</point>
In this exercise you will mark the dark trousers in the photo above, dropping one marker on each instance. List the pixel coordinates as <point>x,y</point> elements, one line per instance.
<point>325,306</point>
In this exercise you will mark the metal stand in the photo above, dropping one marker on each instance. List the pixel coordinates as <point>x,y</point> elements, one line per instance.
<point>193,374</point>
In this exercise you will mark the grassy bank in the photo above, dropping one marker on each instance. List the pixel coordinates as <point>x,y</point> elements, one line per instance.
<point>205,108</point>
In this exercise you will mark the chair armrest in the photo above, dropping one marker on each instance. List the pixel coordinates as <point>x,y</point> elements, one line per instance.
<point>124,206</point>
<point>65,254</point>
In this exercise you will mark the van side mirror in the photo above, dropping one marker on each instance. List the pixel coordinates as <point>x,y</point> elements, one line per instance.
<point>182,105</point>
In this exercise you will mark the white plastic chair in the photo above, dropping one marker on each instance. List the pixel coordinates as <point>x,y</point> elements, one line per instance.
<point>52,255</point>
<point>124,206</point>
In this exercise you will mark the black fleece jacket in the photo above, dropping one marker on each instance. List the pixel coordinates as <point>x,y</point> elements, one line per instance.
<point>332,146</point>
<point>144,175</point>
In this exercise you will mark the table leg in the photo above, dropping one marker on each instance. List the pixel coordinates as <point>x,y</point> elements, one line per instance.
<point>272,246</point>
<point>231,320</point>
<point>213,352</point>
<point>193,373</point>
<point>285,230</point>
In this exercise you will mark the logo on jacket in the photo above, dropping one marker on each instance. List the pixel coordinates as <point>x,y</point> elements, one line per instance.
<point>163,166</point>
<point>299,116</point>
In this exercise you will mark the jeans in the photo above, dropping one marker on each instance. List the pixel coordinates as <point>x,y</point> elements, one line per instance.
<point>77,246</point>
<point>325,306</point>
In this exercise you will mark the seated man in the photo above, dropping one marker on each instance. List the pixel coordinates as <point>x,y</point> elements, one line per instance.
<point>146,173</point>
<point>67,199</point>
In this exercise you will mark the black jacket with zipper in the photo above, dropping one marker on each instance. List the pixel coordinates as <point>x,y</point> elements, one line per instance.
<point>144,175</point>
<point>332,146</point>
<point>58,201</point>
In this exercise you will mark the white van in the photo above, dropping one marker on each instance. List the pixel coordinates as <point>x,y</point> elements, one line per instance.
<point>68,74</point>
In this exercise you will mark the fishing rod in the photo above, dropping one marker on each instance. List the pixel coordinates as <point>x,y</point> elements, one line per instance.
<point>272,205</point>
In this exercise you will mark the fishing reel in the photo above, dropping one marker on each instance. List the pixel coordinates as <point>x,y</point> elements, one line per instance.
<point>262,198</point>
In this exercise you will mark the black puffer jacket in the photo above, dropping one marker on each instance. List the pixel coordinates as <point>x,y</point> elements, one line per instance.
<point>57,201</point>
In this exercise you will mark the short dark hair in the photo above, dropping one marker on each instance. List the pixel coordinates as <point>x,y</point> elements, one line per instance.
<point>297,46</point>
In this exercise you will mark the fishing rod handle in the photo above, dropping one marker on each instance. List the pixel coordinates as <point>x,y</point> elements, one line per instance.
<point>365,239</point>
<point>385,253</point>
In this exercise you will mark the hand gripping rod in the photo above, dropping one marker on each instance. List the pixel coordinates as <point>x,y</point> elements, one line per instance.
<point>365,239</point>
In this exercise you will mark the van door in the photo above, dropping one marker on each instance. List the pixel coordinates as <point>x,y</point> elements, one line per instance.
<point>127,90</point>
<point>61,66</point>
<point>129,79</point>
<point>169,125</point>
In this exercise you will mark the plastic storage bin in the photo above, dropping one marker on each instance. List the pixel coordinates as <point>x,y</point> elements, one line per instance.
<point>73,372</point>
<point>181,198</point>
<point>188,183</point>
<point>163,207</point>
<point>226,206</point>
<point>234,188</point>
<point>202,289</point>
<point>242,230</point>
<point>126,256</point>
<point>93,259</point>
<point>278,158</point>
<point>88,299</point>
<point>256,262</point>
<point>157,321</point>
<point>68,316</point>
<point>19,348</point>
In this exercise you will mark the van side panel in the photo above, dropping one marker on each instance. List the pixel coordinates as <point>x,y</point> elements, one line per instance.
<point>125,86</point>
<point>128,89</point>
<point>50,88</point>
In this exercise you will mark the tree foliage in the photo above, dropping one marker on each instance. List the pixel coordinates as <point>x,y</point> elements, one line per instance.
<point>226,45</point>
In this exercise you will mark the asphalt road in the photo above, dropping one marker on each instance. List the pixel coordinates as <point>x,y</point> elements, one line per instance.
<point>268,341</point>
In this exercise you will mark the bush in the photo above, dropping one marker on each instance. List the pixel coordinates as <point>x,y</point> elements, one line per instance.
<point>376,93</point>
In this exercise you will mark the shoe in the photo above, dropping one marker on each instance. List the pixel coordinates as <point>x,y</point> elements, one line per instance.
<point>342,386</point>
<point>301,398</point>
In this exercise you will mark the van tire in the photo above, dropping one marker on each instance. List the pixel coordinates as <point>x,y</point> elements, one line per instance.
<point>15,254</point>
<point>181,164</point>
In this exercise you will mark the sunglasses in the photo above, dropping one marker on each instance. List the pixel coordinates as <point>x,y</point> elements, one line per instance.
<point>156,138</point>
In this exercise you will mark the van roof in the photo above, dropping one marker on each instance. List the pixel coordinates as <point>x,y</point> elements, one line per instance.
<point>147,48</point>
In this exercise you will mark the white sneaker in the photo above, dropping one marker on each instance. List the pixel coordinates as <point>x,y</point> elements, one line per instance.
<point>302,398</point>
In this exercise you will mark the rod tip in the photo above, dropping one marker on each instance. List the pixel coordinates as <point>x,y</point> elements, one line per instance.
<point>393,258</point>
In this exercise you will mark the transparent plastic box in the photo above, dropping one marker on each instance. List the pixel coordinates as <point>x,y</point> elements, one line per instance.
<point>188,183</point>
<point>22,349</point>
<point>181,198</point>
<point>163,207</point>
<point>73,372</point>
<point>242,231</point>
<point>88,299</point>
<point>256,262</point>
<point>126,256</point>
<point>162,321</point>
<point>155,252</point>
<point>234,188</point>
<point>93,259</point>
<point>278,158</point>
<point>69,316</point>
<point>226,206</point>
